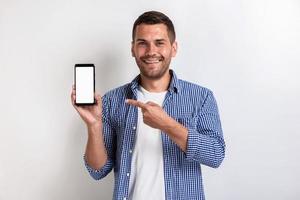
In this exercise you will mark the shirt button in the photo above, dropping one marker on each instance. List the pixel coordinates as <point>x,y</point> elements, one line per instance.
<point>134,128</point>
<point>124,198</point>
<point>127,174</point>
<point>130,151</point>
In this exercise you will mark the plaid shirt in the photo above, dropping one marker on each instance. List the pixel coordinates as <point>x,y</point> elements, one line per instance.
<point>189,104</point>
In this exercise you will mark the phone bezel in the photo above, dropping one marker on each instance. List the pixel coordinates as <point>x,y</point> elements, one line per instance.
<point>84,65</point>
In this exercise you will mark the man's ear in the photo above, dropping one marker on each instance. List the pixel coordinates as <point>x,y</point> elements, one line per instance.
<point>132,51</point>
<point>174,49</point>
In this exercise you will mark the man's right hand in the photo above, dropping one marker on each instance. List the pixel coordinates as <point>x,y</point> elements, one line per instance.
<point>91,114</point>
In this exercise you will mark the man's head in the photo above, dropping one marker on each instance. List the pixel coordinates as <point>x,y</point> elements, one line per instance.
<point>154,17</point>
<point>153,44</point>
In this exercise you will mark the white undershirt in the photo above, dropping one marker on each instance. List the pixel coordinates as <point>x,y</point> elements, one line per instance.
<point>147,170</point>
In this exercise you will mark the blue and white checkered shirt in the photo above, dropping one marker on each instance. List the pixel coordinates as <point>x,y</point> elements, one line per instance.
<point>189,104</point>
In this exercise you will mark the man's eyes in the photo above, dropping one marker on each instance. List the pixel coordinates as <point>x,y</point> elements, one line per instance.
<point>160,43</point>
<point>157,43</point>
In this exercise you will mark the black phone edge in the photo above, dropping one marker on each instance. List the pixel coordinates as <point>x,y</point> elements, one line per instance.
<point>84,65</point>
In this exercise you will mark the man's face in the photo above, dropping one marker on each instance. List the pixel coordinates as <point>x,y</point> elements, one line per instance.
<point>153,50</point>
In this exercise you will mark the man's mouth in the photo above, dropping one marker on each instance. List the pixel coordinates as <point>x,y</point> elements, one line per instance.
<point>152,60</point>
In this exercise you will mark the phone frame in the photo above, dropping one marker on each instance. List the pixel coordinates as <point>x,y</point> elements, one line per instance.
<point>85,65</point>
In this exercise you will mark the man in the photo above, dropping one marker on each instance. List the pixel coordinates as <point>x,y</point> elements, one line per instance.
<point>156,131</point>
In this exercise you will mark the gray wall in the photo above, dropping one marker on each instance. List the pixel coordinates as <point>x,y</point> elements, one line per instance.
<point>247,52</point>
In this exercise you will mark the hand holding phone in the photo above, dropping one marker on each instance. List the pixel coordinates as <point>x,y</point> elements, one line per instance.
<point>90,113</point>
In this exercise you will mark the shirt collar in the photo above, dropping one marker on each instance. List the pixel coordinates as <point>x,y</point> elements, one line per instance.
<point>173,87</point>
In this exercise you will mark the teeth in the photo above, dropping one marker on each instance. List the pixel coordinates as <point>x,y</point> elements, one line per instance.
<point>151,61</point>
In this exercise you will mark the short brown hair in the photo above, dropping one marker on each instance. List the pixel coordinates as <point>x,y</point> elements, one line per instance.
<point>155,17</point>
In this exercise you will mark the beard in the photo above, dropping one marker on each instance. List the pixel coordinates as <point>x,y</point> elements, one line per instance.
<point>156,73</point>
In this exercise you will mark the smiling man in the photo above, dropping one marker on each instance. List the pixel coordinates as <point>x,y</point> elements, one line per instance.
<point>156,131</point>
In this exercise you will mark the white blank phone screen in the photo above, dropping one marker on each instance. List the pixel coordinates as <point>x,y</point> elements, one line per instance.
<point>84,85</point>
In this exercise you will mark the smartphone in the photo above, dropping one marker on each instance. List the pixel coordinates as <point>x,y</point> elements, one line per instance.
<point>84,77</point>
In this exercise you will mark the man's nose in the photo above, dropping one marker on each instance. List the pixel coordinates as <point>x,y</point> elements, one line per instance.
<point>151,50</point>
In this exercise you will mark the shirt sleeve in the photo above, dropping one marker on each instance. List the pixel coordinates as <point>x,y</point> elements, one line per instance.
<point>109,142</point>
<point>205,137</point>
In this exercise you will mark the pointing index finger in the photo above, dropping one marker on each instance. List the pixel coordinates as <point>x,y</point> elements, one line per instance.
<point>136,103</point>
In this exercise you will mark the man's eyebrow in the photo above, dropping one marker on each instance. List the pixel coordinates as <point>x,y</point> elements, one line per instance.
<point>139,39</point>
<point>160,40</point>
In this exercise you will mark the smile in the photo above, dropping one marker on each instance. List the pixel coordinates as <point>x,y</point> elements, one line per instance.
<point>151,61</point>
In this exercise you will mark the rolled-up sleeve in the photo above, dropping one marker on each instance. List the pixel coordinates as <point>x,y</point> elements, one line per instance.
<point>205,142</point>
<point>98,174</point>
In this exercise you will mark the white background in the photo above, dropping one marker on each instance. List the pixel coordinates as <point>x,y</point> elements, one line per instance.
<point>247,52</point>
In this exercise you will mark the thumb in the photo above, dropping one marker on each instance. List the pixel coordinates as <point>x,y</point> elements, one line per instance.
<point>98,98</point>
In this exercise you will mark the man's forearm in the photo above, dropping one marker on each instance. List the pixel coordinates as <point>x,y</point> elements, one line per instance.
<point>95,153</point>
<point>177,132</point>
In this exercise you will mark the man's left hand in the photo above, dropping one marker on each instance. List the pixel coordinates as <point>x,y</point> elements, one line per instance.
<point>153,114</point>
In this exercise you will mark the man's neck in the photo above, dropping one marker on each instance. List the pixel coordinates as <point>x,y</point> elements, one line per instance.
<point>156,85</point>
